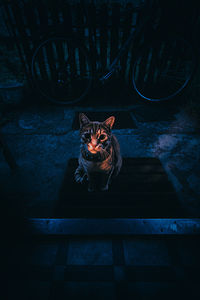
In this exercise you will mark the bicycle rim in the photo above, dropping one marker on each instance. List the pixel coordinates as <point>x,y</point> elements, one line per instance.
<point>61,70</point>
<point>163,69</point>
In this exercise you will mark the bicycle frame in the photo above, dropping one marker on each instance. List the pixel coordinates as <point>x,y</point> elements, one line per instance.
<point>122,50</point>
<point>113,66</point>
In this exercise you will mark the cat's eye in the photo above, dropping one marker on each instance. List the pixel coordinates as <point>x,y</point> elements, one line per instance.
<point>87,135</point>
<point>102,136</point>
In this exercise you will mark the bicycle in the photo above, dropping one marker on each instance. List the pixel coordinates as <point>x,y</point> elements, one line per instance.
<point>162,68</point>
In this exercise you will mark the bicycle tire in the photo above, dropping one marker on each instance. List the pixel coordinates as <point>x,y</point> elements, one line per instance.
<point>163,69</point>
<point>57,72</point>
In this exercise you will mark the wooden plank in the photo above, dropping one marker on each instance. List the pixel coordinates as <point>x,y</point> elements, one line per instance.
<point>154,169</point>
<point>67,16</point>
<point>42,12</point>
<point>141,67</point>
<point>118,211</point>
<point>111,198</point>
<point>146,193</point>
<point>81,36</point>
<point>55,9</point>
<point>31,20</point>
<point>151,67</point>
<point>92,273</point>
<point>66,12</point>
<point>102,227</point>
<point>126,27</point>
<point>128,161</point>
<point>150,195</point>
<point>33,27</point>
<point>139,43</point>
<point>50,60</point>
<point>161,190</point>
<point>17,14</point>
<point>137,178</point>
<point>11,26</point>
<point>134,168</point>
<point>103,16</point>
<point>92,34</point>
<point>115,31</point>
<point>163,54</point>
<point>42,66</point>
<point>43,16</point>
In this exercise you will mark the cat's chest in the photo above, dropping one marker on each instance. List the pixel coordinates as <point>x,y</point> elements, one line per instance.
<point>104,166</point>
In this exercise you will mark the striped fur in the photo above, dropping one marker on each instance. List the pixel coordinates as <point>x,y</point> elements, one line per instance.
<point>99,153</point>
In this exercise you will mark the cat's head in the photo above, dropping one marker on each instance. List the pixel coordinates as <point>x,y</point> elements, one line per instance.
<point>96,136</point>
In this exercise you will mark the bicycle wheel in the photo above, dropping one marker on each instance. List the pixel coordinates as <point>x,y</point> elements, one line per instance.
<point>163,69</point>
<point>61,70</point>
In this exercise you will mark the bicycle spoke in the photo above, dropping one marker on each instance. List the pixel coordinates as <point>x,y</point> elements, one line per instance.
<point>161,71</point>
<point>58,74</point>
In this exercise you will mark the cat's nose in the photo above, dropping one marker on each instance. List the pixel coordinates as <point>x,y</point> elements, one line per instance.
<point>91,146</point>
<point>94,142</point>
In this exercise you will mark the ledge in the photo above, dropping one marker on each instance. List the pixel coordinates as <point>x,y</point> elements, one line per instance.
<point>104,227</point>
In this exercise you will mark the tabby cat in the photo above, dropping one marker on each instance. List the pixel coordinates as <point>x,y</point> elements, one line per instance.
<point>100,159</point>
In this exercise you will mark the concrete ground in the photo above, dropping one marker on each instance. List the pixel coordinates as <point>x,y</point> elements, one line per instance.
<point>148,267</point>
<point>41,139</point>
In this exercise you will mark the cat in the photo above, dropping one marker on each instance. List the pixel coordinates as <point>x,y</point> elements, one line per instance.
<point>99,153</point>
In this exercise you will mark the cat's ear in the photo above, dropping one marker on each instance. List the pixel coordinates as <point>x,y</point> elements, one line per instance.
<point>83,119</point>
<point>109,122</point>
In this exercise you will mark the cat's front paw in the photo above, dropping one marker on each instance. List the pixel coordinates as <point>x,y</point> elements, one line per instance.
<point>79,178</point>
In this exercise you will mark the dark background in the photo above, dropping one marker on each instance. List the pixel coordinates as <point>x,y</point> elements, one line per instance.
<point>159,143</point>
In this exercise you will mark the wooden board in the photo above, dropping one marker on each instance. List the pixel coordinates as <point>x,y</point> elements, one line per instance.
<point>141,190</point>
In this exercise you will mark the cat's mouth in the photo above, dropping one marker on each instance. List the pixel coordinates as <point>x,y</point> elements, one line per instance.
<point>92,149</point>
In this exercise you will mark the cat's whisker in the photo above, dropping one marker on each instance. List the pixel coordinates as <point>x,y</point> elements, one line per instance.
<point>105,151</point>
